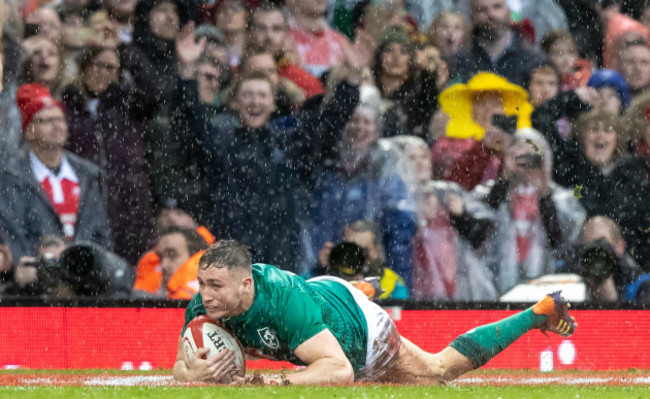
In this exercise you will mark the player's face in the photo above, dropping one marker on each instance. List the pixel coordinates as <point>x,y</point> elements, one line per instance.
<point>224,291</point>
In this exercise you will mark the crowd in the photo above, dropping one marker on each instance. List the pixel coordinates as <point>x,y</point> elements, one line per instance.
<point>442,150</point>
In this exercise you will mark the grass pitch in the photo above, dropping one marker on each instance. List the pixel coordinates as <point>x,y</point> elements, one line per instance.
<point>367,392</point>
<point>493,384</point>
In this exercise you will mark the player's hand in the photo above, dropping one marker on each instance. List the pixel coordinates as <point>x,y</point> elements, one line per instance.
<point>219,368</point>
<point>259,379</point>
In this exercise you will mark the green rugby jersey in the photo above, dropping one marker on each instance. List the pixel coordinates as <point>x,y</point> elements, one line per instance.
<point>288,311</point>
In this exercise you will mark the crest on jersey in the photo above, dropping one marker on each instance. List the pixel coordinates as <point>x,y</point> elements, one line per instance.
<point>269,338</point>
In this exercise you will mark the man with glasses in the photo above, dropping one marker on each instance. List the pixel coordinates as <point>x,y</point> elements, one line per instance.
<point>51,191</point>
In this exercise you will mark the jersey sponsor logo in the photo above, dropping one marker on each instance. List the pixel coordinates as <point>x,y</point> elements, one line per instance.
<point>268,338</point>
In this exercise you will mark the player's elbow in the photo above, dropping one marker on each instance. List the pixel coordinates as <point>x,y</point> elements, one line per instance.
<point>344,373</point>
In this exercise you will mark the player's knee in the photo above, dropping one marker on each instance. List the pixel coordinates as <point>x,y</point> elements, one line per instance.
<point>442,371</point>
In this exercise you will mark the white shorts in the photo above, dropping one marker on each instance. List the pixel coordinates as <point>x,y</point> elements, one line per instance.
<point>383,339</point>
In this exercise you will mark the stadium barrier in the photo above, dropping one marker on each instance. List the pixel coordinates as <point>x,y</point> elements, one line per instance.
<point>144,335</point>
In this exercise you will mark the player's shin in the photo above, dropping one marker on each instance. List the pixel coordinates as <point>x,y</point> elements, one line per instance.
<point>481,344</point>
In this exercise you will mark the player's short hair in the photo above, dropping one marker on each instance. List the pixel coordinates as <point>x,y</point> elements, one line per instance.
<point>195,242</point>
<point>227,253</point>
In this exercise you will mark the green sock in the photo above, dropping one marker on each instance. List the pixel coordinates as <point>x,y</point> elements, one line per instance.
<point>483,343</point>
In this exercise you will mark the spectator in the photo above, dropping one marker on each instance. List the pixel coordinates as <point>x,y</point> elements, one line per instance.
<point>196,107</point>
<point>637,121</point>
<point>257,206</point>
<point>495,47</point>
<point>561,48</point>
<point>448,33</point>
<point>376,17</point>
<point>452,228</point>
<point>613,93</point>
<point>544,15</point>
<point>151,58</point>
<point>611,182</point>
<point>54,191</point>
<point>363,185</point>
<point>44,64</point>
<point>230,18</point>
<point>544,84</point>
<point>178,251</point>
<point>210,77</point>
<point>10,60</point>
<point>319,46</point>
<point>148,271</point>
<point>618,29</point>
<point>585,28</point>
<point>75,35</point>
<point>268,30</point>
<point>46,23</point>
<point>610,272</point>
<point>215,45</point>
<point>536,220</point>
<point>471,151</point>
<point>635,66</point>
<point>106,124</point>
<point>409,89</point>
<point>288,96</point>
<point>363,235</point>
<point>120,14</point>
<point>280,155</point>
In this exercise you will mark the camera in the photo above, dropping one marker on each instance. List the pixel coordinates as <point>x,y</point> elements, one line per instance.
<point>506,123</point>
<point>595,261</point>
<point>84,269</point>
<point>347,260</point>
<point>598,260</point>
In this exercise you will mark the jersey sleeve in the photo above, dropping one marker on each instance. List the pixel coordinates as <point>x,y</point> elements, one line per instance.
<point>302,320</point>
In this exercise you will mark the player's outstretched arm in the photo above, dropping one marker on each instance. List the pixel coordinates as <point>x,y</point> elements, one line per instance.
<point>219,368</point>
<point>325,360</point>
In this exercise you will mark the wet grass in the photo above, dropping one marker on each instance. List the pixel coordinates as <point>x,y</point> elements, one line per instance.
<point>368,392</point>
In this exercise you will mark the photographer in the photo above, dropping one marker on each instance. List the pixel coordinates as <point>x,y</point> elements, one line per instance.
<point>64,271</point>
<point>535,218</point>
<point>360,257</point>
<point>608,270</point>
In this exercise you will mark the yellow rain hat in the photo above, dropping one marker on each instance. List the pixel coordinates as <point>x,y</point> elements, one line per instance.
<point>457,100</point>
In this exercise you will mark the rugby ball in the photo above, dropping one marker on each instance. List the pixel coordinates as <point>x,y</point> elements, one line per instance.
<point>202,332</point>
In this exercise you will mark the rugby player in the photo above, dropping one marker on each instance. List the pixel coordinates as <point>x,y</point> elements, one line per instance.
<point>332,328</point>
